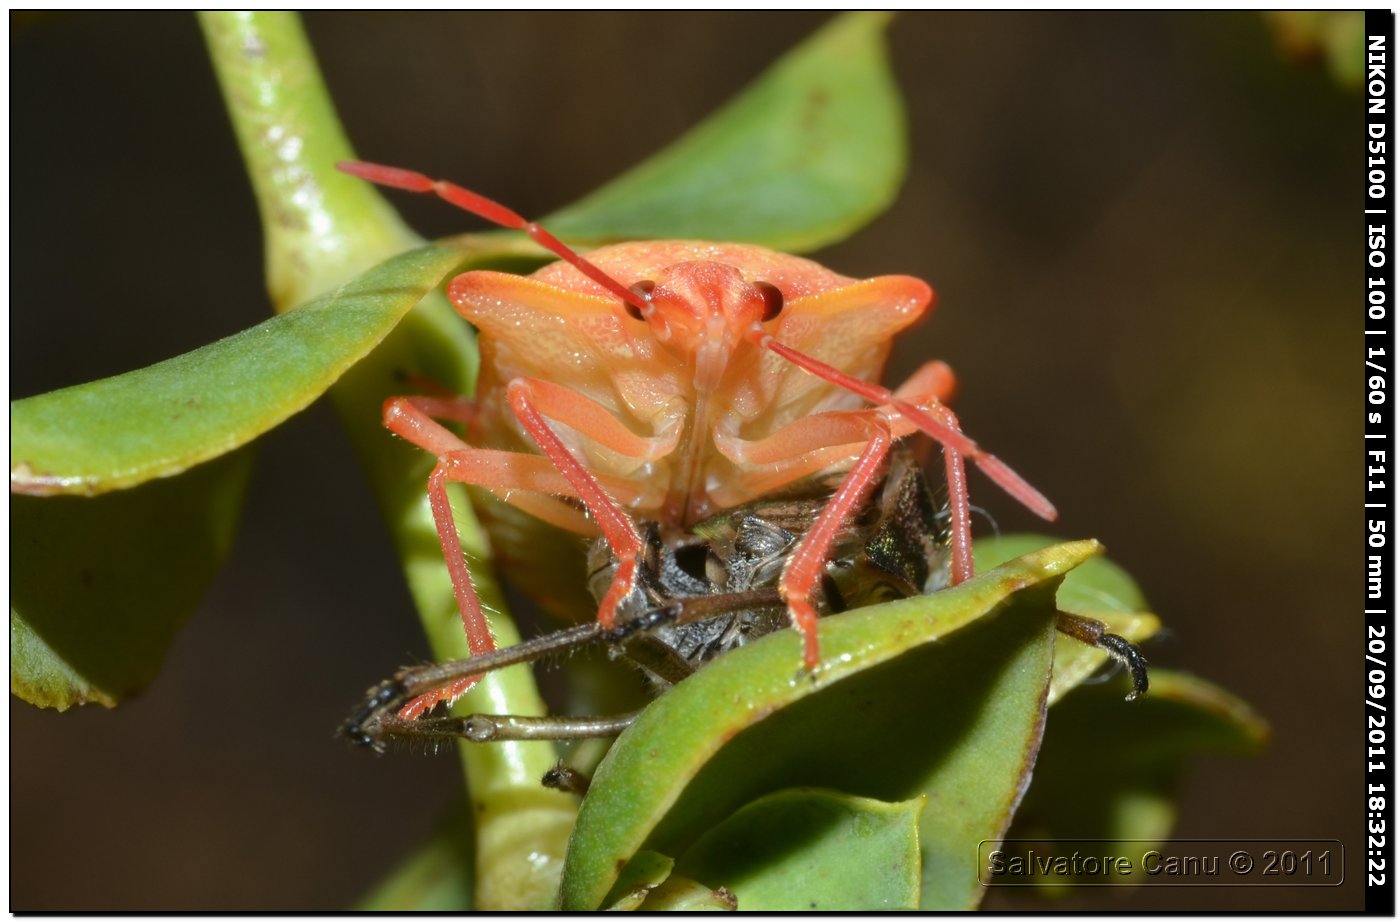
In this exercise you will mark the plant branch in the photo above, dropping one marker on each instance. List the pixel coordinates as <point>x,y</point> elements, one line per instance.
<point>322,228</point>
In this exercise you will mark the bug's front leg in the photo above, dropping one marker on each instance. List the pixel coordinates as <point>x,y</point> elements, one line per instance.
<point>459,462</point>
<point>803,570</point>
<point>617,527</point>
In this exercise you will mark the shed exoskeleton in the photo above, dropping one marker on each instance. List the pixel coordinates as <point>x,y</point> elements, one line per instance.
<point>707,590</point>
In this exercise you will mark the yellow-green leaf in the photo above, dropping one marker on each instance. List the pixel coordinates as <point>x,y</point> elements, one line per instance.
<point>957,720</point>
<point>803,157</point>
<point>92,611</point>
<point>158,421</point>
<point>811,850</point>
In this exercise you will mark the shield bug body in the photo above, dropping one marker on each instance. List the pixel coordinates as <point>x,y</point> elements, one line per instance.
<point>669,381</point>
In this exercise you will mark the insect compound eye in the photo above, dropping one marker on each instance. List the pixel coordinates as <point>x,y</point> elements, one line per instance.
<point>772,299</point>
<point>643,289</point>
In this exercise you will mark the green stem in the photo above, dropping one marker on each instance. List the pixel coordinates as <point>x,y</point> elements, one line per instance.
<point>322,228</point>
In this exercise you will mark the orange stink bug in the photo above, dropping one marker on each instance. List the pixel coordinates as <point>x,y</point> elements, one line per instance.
<point>668,380</point>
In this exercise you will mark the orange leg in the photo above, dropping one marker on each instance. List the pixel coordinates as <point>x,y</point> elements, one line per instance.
<point>959,508</point>
<point>613,521</point>
<point>598,423</point>
<point>803,571</point>
<point>815,442</point>
<point>457,409</point>
<point>939,429</point>
<point>410,418</point>
<point>932,379</point>
<point>935,381</point>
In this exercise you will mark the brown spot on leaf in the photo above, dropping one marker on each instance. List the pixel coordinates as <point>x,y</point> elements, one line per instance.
<point>814,106</point>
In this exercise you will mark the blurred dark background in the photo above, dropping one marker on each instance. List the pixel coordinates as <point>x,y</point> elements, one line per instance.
<point>1145,232</point>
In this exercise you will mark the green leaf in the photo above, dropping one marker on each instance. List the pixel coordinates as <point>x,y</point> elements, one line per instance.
<point>681,894</point>
<point>122,431</point>
<point>1099,589</point>
<point>1112,771</point>
<point>1097,586</point>
<point>966,734</point>
<point>648,884</point>
<point>805,156</point>
<point>810,849</point>
<point>643,874</point>
<point>92,611</point>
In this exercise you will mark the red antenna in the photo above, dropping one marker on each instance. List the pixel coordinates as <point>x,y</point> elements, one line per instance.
<point>492,211</point>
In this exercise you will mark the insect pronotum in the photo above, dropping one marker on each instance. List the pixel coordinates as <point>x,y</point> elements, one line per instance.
<point>666,381</point>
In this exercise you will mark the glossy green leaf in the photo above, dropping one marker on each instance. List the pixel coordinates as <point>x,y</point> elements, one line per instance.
<point>158,421</point>
<point>1099,589</point>
<point>808,849</point>
<point>1099,585</point>
<point>967,735</point>
<point>971,757</point>
<point>805,156</point>
<point>93,611</point>
<point>1111,771</point>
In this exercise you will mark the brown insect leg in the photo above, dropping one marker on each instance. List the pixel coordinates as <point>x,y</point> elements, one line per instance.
<point>564,778</point>
<point>495,728</point>
<point>365,724</point>
<point>1095,634</point>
